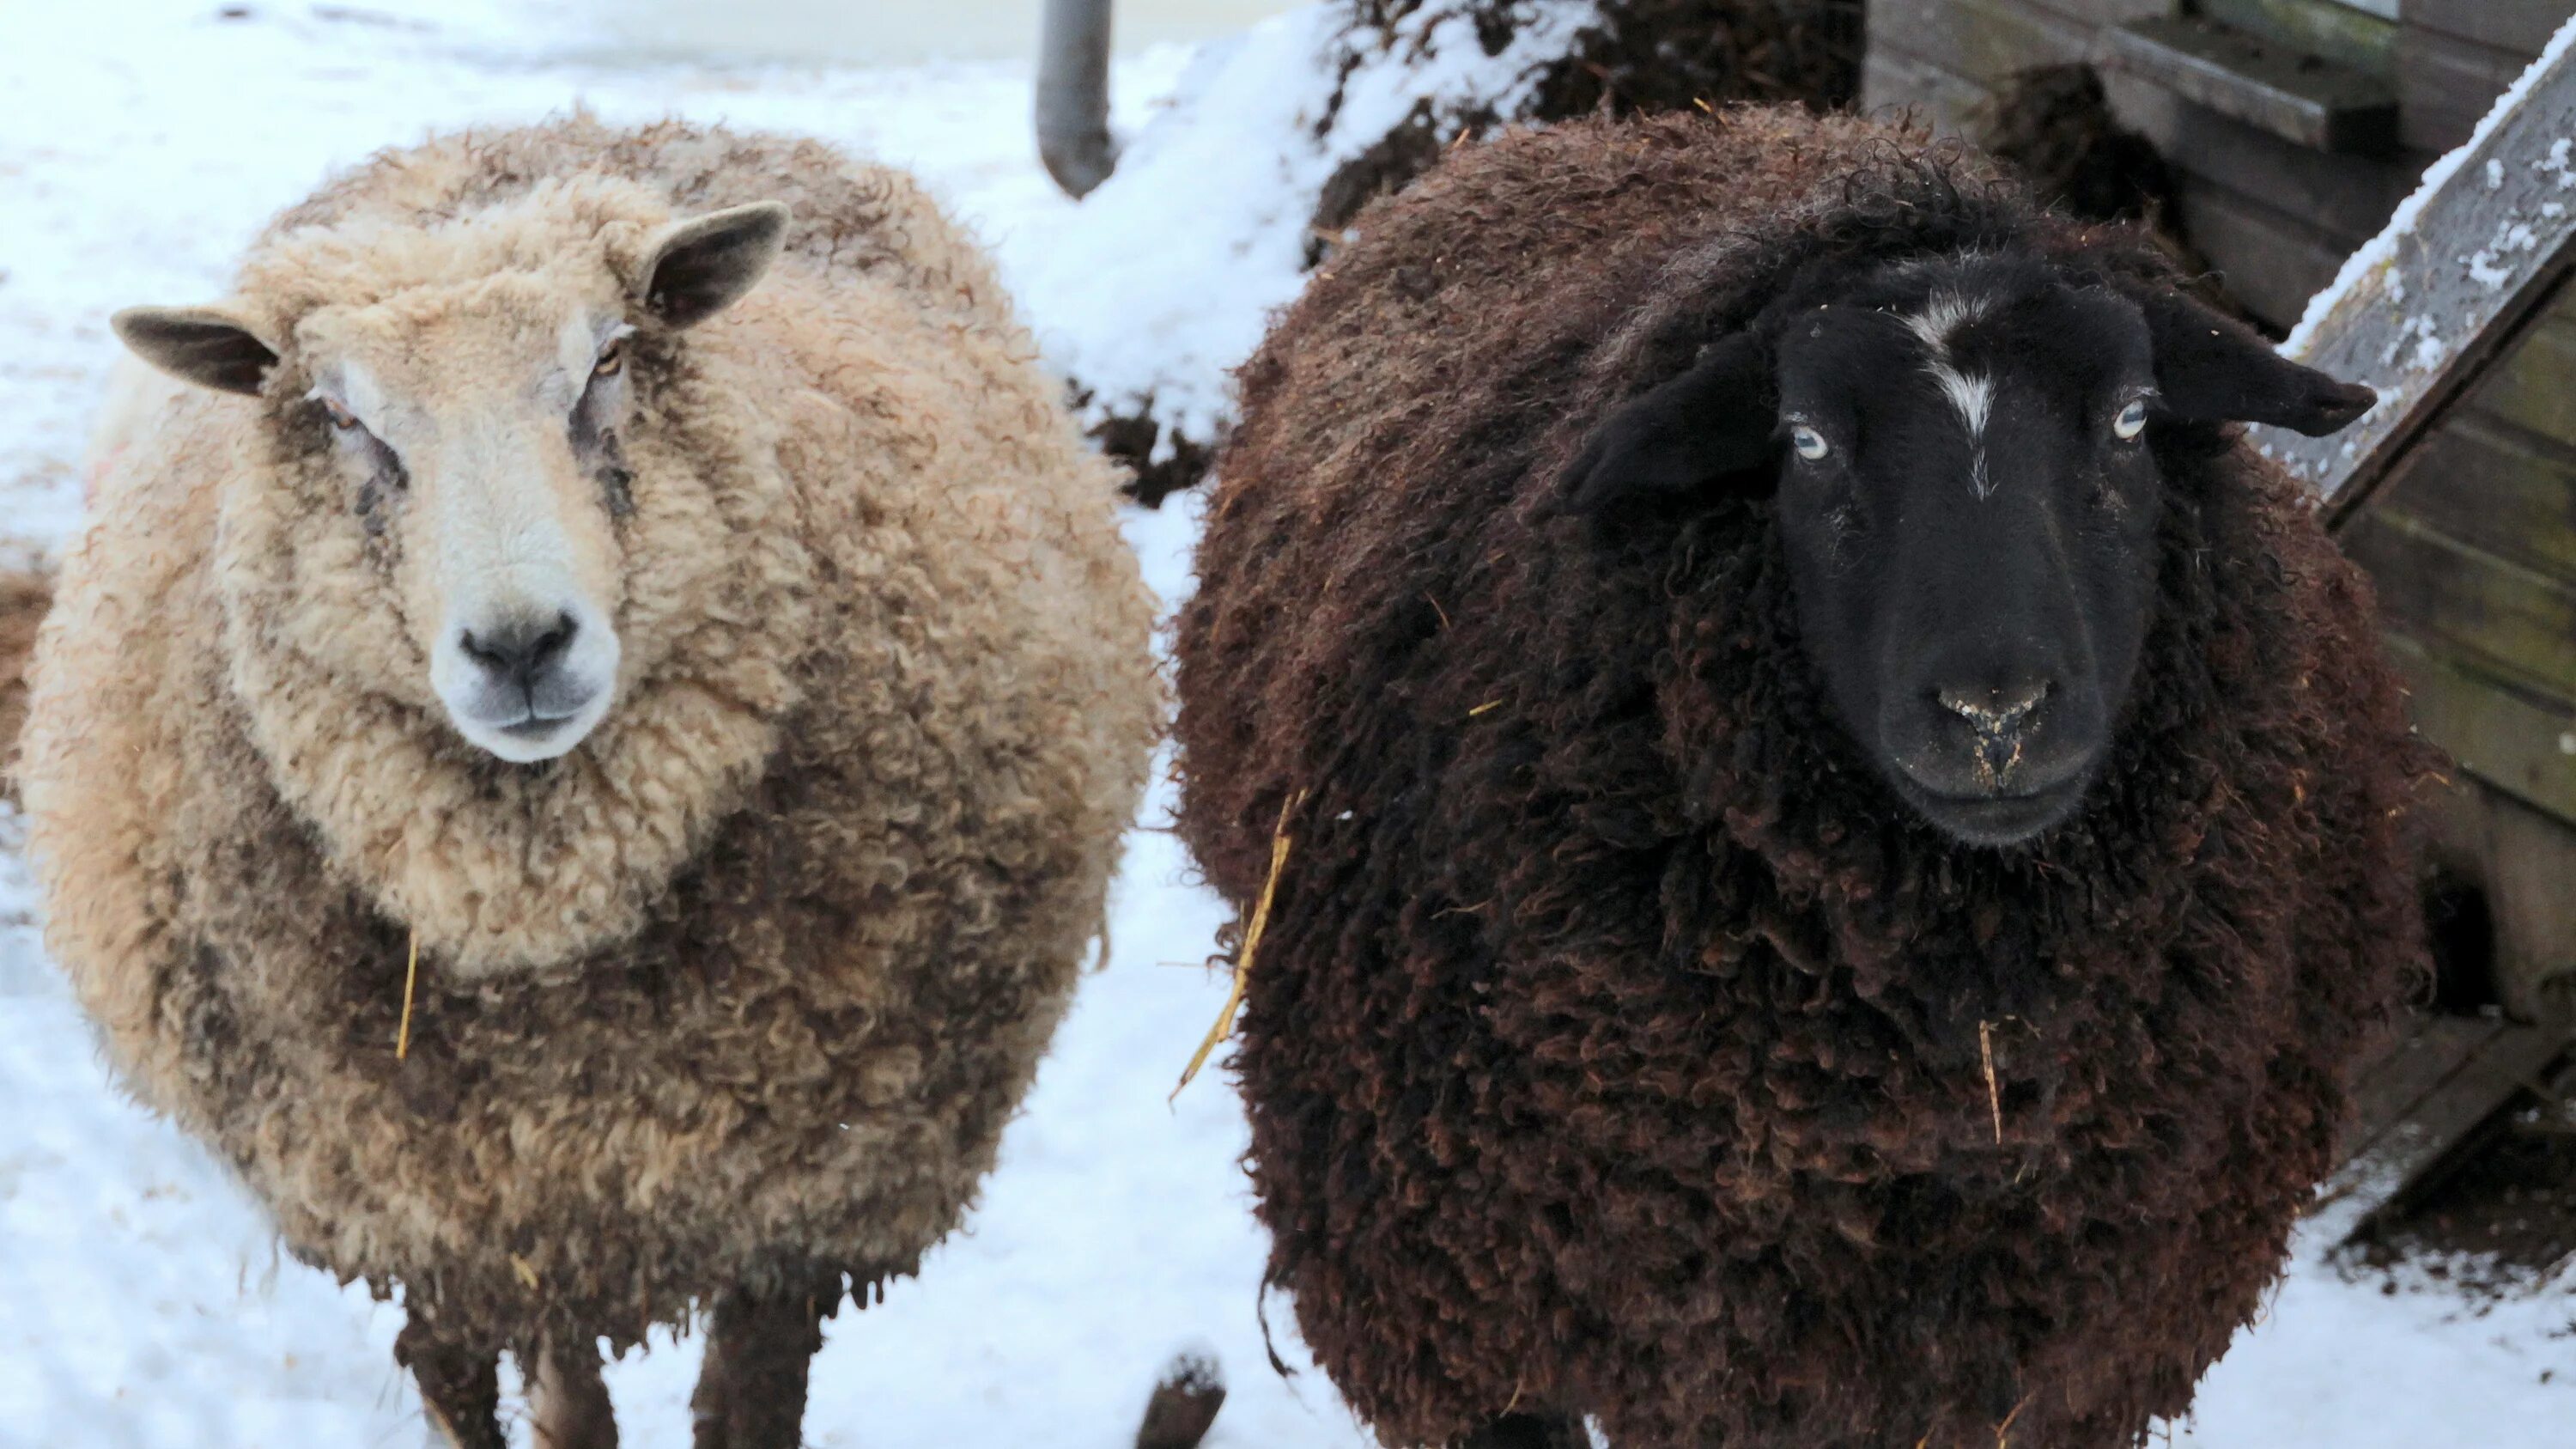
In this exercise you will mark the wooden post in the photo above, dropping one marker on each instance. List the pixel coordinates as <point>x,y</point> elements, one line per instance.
<point>2418,312</point>
<point>1073,95</point>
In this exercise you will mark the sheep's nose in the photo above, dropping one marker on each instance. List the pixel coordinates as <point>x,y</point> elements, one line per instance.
<point>520,650</point>
<point>1998,715</point>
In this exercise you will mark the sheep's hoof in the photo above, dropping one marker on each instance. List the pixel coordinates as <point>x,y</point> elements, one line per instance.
<point>1184,1404</point>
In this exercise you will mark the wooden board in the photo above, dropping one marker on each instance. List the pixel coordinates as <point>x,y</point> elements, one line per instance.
<point>2445,84</point>
<point>2347,198</point>
<point>2270,261</point>
<point>2495,486</point>
<point>1982,41</point>
<point>2535,389</point>
<point>2515,619</point>
<point>2516,25</point>
<point>2508,735</point>
<point>2328,28</point>
<point>1890,78</point>
<point>2446,286</point>
<point>2270,85</point>
<point>2477,1067</point>
<point>2530,861</point>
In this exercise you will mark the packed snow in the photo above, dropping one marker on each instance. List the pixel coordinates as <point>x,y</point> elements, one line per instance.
<point>143,1304</point>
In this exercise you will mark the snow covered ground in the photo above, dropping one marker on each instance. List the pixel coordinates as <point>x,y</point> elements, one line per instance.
<point>142,1304</point>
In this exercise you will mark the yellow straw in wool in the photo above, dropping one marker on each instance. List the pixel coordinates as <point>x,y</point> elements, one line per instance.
<point>411,978</point>
<point>1251,942</point>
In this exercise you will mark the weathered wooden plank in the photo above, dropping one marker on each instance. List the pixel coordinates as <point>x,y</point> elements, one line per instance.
<point>2516,619</point>
<point>2445,84</point>
<point>2267,84</point>
<point>2511,737</point>
<point>2534,387</point>
<point>2531,859</point>
<point>2415,1153</point>
<point>1891,78</point>
<point>2523,26</point>
<point>2420,310</point>
<point>1982,41</point>
<point>2272,262</point>
<point>2328,28</point>
<point>2093,14</point>
<point>2346,199</point>
<point>2427,1054</point>
<point>2494,486</point>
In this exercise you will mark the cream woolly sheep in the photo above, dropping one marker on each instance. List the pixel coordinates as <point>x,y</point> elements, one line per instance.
<point>701,634</point>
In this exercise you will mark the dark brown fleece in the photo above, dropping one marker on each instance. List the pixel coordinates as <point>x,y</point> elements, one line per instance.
<point>1617,1042</point>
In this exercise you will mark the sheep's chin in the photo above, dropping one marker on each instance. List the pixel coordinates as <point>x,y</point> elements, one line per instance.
<point>533,747</point>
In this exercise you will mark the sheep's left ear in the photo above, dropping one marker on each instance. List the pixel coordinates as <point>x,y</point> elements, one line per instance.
<point>703,265</point>
<point>2212,369</point>
<point>1712,428</point>
<point>203,345</point>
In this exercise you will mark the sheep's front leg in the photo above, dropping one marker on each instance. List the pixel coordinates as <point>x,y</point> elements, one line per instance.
<point>460,1386</point>
<point>569,1403</point>
<point>751,1393</point>
<point>1531,1431</point>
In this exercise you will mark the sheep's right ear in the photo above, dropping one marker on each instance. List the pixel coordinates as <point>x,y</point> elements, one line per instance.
<point>203,345</point>
<point>701,266</point>
<point>1712,428</point>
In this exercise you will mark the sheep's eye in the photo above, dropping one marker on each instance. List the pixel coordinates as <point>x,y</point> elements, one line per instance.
<point>1810,444</point>
<point>612,360</point>
<point>2131,421</point>
<point>341,418</point>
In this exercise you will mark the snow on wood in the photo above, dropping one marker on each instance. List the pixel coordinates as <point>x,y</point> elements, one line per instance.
<point>2416,312</point>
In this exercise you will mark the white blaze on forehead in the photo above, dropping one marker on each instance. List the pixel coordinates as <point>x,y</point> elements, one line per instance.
<point>1942,317</point>
<point>1973,397</point>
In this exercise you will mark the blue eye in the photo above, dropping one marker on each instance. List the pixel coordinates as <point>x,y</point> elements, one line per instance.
<point>1810,444</point>
<point>2131,421</point>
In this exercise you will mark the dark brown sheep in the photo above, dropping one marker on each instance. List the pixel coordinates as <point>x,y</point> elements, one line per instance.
<point>1619,1044</point>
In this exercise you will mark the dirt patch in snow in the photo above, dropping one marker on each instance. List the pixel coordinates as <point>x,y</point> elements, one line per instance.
<point>2502,1225</point>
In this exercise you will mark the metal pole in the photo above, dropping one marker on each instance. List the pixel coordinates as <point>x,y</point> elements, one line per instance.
<point>1073,94</point>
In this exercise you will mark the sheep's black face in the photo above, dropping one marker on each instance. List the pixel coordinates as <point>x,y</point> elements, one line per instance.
<point>1969,507</point>
<point>1963,455</point>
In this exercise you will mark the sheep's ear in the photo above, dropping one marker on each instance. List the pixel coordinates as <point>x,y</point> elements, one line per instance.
<point>703,265</point>
<point>203,345</point>
<point>1711,429</point>
<point>2212,369</point>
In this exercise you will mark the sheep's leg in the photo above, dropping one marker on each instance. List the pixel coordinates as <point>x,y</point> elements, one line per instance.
<point>751,1393</point>
<point>569,1403</point>
<point>460,1387</point>
<point>1531,1431</point>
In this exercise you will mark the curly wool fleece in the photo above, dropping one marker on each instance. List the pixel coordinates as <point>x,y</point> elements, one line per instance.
<point>742,990</point>
<point>1618,1043</point>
